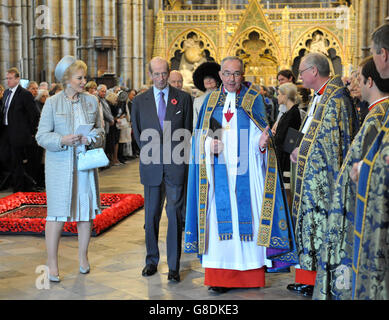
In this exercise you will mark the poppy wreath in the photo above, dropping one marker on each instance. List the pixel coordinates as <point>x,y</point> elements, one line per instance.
<point>32,218</point>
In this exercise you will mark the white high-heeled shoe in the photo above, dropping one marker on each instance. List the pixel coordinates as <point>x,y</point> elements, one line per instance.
<point>84,271</point>
<point>51,277</point>
<point>54,278</point>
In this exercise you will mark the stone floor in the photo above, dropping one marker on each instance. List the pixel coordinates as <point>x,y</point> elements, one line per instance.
<point>116,258</point>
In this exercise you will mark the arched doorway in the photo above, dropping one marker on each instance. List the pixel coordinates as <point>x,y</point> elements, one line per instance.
<point>259,55</point>
<point>319,40</point>
<point>188,51</point>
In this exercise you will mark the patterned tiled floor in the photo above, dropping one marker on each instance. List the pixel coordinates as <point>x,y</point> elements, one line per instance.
<point>117,259</point>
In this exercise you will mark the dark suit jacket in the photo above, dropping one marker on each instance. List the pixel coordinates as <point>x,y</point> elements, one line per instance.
<point>291,118</point>
<point>144,116</point>
<point>23,117</point>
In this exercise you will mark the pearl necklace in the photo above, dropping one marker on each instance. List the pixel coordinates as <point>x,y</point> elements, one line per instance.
<point>71,100</point>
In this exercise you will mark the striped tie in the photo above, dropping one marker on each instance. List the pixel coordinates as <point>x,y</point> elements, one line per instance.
<point>6,107</point>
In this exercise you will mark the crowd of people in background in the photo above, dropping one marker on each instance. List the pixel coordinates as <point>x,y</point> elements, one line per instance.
<point>343,128</point>
<point>115,109</point>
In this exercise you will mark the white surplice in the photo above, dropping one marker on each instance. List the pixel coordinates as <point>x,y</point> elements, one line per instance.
<point>235,254</point>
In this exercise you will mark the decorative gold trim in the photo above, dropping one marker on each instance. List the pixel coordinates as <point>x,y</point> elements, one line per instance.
<point>364,200</point>
<point>270,188</point>
<point>203,180</point>
<point>307,142</point>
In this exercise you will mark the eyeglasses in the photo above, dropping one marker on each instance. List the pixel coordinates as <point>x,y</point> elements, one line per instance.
<point>301,71</point>
<point>158,74</point>
<point>228,74</point>
<point>376,51</point>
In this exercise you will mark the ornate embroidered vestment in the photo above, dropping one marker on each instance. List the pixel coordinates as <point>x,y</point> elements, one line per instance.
<point>336,253</point>
<point>371,231</point>
<point>276,230</point>
<point>320,157</point>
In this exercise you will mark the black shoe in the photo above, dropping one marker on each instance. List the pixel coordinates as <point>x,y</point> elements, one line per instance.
<point>149,270</point>
<point>37,189</point>
<point>174,276</point>
<point>307,290</point>
<point>295,287</point>
<point>219,289</point>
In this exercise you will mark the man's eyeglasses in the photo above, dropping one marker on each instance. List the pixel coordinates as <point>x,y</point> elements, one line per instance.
<point>228,74</point>
<point>301,71</point>
<point>158,74</point>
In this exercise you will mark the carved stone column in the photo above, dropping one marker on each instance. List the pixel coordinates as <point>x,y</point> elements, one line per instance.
<point>372,15</point>
<point>221,35</point>
<point>27,48</point>
<point>148,37</point>
<point>286,59</point>
<point>125,41</point>
<point>138,45</point>
<point>93,28</point>
<point>10,39</point>
<point>159,36</point>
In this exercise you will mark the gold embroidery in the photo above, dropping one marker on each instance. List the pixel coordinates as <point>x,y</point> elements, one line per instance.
<point>308,139</point>
<point>203,180</point>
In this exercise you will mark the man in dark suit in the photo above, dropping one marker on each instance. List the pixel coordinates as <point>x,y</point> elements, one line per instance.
<point>18,122</point>
<point>162,123</point>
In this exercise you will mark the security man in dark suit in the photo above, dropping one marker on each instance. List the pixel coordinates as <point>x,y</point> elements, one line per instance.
<point>162,123</point>
<point>18,122</point>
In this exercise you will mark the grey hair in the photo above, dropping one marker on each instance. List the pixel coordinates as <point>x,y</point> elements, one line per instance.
<point>380,38</point>
<point>231,58</point>
<point>101,87</point>
<point>41,92</point>
<point>320,61</point>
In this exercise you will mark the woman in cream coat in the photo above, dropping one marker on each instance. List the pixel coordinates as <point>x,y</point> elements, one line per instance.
<point>72,195</point>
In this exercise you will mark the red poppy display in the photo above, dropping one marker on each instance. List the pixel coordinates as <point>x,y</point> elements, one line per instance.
<point>25,213</point>
<point>174,101</point>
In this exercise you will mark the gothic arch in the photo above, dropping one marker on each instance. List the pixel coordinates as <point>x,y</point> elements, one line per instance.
<point>188,50</point>
<point>271,44</point>
<point>206,45</point>
<point>259,52</point>
<point>319,39</point>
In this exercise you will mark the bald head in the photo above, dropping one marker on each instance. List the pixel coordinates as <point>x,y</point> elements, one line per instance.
<point>157,61</point>
<point>159,72</point>
<point>176,80</point>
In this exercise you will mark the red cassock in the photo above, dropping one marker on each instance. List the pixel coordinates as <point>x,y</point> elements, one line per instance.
<point>254,278</point>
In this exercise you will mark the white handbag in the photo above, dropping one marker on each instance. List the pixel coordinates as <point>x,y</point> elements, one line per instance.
<point>91,159</point>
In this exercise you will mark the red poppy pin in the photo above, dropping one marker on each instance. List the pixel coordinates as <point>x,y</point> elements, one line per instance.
<point>174,101</point>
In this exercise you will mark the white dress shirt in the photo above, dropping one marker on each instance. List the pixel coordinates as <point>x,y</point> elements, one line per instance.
<point>311,111</point>
<point>156,95</point>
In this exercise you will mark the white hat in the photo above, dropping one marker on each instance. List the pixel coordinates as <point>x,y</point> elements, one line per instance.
<point>63,65</point>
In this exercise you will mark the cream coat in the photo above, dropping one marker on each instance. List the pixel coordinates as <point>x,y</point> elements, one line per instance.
<point>57,121</point>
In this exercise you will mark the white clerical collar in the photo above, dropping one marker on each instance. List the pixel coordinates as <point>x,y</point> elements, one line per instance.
<point>377,102</point>
<point>321,89</point>
<point>230,102</point>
